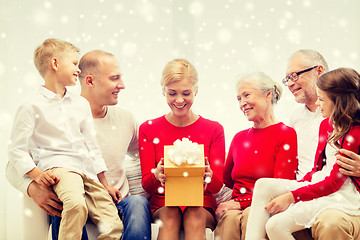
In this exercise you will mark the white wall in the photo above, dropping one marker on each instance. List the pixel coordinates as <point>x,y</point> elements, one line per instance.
<point>222,38</point>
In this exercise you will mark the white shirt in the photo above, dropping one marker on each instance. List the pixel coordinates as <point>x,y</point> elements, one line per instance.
<point>50,131</point>
<point>117,136</point>
<point>306,125</point>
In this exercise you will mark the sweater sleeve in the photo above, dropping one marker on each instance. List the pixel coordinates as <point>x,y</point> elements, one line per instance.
<point>216,160</point>
<point>335,180</point>
<point>147,161</point>
<point>286,161</point>
<point>229,164</point>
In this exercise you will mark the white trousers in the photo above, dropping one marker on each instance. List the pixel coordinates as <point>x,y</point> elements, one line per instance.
<point>280,226</point>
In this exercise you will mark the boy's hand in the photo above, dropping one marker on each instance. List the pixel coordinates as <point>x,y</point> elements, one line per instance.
<point>45,179</point>
<point>280,203</point>
<point>115,194</point>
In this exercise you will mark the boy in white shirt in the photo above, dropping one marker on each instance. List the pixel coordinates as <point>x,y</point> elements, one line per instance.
<point>53,142</point>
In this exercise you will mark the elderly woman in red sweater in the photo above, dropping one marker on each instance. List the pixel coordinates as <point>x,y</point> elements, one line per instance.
<point>268,149</point>
<point>179,83</point>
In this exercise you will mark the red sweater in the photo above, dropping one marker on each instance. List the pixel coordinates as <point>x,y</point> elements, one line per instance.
<point>257,153</point>
<point>156,133</point>
<point>335,180</point>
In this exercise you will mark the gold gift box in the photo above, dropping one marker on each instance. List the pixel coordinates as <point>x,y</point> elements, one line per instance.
<point>185,183</point>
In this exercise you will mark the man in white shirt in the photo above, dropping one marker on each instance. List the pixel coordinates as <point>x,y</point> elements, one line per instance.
<point>116,130</point>
<point>304,68</point>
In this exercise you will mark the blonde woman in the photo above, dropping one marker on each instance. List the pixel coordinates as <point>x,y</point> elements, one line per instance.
<point>179,85</point>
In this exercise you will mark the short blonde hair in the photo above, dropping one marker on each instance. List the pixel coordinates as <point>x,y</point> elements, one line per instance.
<point>264,83</point>
<point>47,50</point>
<point>177,70</point>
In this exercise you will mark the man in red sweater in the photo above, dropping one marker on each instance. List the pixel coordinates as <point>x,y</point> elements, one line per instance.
<point>304,68</point>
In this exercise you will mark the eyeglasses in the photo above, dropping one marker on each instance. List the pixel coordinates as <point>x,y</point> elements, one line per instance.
<point>295,75</point>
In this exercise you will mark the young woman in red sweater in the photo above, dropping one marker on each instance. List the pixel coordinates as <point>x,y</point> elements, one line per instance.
<point>268,149</point>
<point>295,204</point>
<point>179,84</point>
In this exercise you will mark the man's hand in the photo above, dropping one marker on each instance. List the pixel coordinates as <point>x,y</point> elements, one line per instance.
<point>349,165</point>
<point>45,198</point>
<point>225,206</point>
<point>280,203</point>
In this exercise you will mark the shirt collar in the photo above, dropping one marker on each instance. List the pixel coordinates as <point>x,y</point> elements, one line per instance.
<point>51,95</point>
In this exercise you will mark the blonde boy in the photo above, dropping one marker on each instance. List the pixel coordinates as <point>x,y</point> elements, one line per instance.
<point>53,143</point>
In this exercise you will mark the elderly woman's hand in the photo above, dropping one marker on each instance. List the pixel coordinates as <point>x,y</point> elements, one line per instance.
<point>349,165</point>
<point>159,172</point>
<point>225,206</point>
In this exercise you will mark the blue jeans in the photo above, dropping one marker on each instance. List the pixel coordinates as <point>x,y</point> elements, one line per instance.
<point>135,213</point>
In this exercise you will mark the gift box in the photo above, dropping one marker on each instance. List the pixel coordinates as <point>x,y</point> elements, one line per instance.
<point>184,183</point>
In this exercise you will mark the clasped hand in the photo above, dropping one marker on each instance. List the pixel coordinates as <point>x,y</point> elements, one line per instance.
<point>280,203</point>
<point>160,175</point>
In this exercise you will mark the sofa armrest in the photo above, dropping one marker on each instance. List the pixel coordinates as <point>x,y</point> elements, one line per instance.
<point>36,221</point>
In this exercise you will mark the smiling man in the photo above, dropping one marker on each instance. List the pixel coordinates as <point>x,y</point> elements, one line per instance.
<point>304,68</point>
<point>116,135</point>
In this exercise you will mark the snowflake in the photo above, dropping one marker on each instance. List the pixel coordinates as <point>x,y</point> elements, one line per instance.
<point>2,69</point>
<point>196,9</point>
<point>41,17</point>
<point>307,3</point>
<point>28,213</point>
<point>156,140</point>
<point>207,180</point>
<point>286,147</point>
<point>159,223</point>
<point>294,36</point>
<point>104,227</point>
<point>64,19</point>
<point>350,139</point>
<point>224,35</point>
<point>161,190</point>
<point>249,6</point>
<point>129,49</point>
<point>47,5</point>
<point>119,7</point>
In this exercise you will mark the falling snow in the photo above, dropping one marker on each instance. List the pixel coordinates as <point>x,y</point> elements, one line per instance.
<point>225,38</point>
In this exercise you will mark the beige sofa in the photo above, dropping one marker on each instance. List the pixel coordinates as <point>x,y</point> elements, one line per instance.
<point>37,224</point>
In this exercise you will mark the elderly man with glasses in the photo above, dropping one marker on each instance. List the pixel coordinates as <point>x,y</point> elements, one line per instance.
<point>304,68</point>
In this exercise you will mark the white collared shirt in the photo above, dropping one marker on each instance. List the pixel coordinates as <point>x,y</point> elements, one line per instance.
<point>306,125</point>
<point>50,131</point>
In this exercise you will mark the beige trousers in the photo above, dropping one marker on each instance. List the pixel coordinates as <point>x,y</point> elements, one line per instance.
<point>332,224</point>
<point>232,225</point>
<point>81,196</point>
